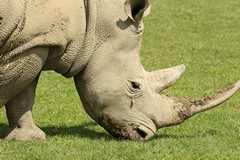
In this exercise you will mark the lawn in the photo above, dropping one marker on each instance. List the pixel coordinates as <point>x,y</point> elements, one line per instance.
<point>203,35</point>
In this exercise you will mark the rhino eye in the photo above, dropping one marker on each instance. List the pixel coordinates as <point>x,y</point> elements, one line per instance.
<point>135,85</point>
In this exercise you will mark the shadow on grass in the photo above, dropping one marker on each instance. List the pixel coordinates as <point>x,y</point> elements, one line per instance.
<point>3,128</point>
<point>84,130</point>
<point>87,130</point>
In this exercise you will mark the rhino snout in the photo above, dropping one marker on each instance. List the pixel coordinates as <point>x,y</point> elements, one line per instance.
<point>126,130</point>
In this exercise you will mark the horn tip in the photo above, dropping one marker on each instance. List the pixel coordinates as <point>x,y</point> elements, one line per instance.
<point>238,85</point>
<point>181,68</point>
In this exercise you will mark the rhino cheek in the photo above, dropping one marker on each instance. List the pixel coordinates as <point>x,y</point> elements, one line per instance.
<point>86,98</point>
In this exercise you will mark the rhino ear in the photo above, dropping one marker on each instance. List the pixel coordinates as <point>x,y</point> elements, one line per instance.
<point>137,9</point>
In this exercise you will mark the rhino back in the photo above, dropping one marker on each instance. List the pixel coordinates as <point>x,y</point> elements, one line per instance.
<point>65,19</point>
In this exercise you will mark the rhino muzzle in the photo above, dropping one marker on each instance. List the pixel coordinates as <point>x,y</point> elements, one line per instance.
<point>125,130</point>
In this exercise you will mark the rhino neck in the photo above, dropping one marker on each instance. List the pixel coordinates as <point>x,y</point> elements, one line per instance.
<point>88,45</point>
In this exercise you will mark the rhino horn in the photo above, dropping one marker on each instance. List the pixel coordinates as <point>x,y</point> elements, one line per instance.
<point>211,102</point>
<point>165,78</point>
<point>185,108</point>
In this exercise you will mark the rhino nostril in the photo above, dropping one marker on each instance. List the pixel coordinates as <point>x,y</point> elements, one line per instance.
<point>141,133</point>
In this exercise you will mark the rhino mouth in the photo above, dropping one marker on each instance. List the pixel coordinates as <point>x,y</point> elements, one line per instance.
<point>121,129</point>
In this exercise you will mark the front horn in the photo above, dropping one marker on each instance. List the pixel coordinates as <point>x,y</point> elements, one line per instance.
<point>183,108</point>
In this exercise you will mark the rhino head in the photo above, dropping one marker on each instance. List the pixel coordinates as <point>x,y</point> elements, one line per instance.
<point>115,89</point>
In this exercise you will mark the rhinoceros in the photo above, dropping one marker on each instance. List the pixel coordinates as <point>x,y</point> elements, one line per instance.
<point>97,42</point>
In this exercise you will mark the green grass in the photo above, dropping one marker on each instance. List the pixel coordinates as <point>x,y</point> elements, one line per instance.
<point>203,35</point>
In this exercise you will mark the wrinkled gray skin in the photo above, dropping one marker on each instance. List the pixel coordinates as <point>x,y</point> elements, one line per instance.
<point>98,43</point>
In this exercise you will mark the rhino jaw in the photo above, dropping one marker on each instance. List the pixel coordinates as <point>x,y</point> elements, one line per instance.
<point>126,130</point>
